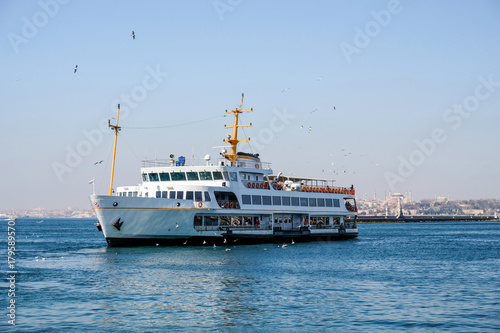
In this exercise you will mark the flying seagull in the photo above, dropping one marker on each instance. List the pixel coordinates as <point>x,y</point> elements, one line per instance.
<point>284,90</point>
<point>320,78</point>
<point>133,34</point>
<point>98,162</point>
<point>76,68</point>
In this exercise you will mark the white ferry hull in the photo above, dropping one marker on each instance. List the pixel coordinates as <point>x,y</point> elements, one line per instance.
<point>136,221</point>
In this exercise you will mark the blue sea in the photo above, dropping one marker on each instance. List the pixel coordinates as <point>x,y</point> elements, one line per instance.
<point>432,277</point>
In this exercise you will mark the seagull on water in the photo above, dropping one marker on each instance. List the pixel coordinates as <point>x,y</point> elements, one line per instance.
<point>75,69</point>
<point>133,34</point>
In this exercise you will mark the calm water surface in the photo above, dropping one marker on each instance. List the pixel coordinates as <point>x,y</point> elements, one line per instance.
<point>393,277</point>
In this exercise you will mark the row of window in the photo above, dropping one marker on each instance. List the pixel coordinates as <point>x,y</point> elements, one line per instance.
<point>245,221</point>
<point>190,175</point>
<point>288,201</point>
<point>184,195</point>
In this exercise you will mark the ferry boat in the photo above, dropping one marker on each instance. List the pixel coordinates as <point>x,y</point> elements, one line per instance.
<point>235,200</point>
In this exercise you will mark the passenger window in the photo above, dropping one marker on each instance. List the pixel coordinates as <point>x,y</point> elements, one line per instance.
<point>266,200</point>
<point>303,201</point>
<point>180,195</point>
<point>245,199</point>
<point>164,194</point>
<point>276,201</point>
<point>295,201</point>
<point>329,202</point>
<point>158,194</point>
<point>189,195</point>
<point>197,196</point>
<point>286,201</point>
<point>312,202</point>
<point>172,194</point>
<point>207,196</point>
<point>321,202</point>
<point>256,200</point>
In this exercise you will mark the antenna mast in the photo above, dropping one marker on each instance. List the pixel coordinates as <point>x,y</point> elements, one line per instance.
<point>233,140</point>
<point>116,128</point>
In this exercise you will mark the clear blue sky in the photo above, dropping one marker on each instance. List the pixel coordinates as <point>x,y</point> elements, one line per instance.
<point>415,86</point>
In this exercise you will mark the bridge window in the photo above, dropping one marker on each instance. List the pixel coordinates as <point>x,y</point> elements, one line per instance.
<point>205,175</point>
<point>164,176</point>
<point>153,177</point>
<point>217,175</point>
<point>192,175</point>
<point>144,177</point>
<point>176,176</point>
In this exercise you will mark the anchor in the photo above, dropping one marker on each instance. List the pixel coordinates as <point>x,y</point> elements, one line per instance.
<point>118,224</point>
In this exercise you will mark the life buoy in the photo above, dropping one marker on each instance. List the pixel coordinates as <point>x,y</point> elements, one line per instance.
<point>253,185</point>
<point>256,166</point>
<point>231,205</point>
<point>237,205</point>
<point>200,204</point>
<point>261,185</point>
<point>249,185</point>
<point>274,186</point>
<point>226,204</point>
<point>266,185</point>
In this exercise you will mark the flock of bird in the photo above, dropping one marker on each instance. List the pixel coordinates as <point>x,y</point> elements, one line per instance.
<point>76,66</point>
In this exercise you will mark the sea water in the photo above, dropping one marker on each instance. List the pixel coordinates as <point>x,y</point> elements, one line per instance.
<point>394,277</point>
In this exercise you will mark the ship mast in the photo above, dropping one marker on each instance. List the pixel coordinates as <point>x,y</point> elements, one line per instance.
<point>233,140</point>
<point>116,128</point>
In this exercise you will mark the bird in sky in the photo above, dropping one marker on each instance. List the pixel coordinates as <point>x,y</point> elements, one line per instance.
<point>98,162</point>
<point>314,110</point>
<point>310,129</point>
<point>334,108</point>
<point>284,90</point>
<point>133,34</point>
<point>320,78</point>
<point>75,69</point>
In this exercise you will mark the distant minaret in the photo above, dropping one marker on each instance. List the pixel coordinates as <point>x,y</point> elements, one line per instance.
<point>374,195</point>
